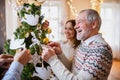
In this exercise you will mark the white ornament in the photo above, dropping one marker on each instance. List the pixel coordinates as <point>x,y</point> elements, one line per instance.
<point>42,72</point>
<point>17,43</point>
<point>31,19</point>
<point>34,40</point>
<point>35,59</point>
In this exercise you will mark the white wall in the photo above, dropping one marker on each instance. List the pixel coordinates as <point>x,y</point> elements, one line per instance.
<point>11,19</point>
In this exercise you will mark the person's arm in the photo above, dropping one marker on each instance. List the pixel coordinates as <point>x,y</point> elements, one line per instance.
<point>65,61</point>
<point>92,68</point>
<point>5,60</point>
<point>14,71</point>
<point>20,59</point>
<point>61,71</point>
<point>58,50</point>
<point>57,66</point>
<point>61,56</point>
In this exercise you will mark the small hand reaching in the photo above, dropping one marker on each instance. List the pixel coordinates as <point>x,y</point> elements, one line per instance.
<point>47,53</point>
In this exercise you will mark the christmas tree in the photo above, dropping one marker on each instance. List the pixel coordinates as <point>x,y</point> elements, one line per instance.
<point>31,34</point>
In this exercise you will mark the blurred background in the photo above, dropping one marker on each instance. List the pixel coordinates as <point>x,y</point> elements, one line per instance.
<point>57,12</point>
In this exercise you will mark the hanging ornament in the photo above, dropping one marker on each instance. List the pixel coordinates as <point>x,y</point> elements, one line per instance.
<point>17,44</point>
<point>43,72</point>
<point>35,59</point>
<point>31,19</point>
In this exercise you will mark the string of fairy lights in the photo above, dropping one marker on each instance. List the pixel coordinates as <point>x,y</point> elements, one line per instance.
<point>95,4</point>
<point>72,8</point>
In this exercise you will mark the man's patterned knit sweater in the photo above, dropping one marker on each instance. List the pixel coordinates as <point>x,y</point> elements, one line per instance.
<point>92,61</point>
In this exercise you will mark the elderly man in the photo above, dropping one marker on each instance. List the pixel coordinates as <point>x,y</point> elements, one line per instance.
<point>93,58</point>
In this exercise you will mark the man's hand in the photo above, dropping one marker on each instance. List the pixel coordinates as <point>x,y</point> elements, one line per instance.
<point>47,53</point>
<point>23,56</point>
<point>56,46</point>
<point>5,60</point>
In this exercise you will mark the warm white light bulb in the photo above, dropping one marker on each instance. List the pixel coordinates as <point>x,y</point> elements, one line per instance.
<point>40,0</point>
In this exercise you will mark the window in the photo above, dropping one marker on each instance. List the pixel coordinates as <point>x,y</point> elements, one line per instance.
<point>110,14</point>
<point>52,12</point>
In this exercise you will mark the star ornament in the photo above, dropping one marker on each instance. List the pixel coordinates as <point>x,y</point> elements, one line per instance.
<point>35,59</point>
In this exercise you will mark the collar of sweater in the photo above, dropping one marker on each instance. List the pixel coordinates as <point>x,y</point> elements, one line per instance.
<point>91,39</point>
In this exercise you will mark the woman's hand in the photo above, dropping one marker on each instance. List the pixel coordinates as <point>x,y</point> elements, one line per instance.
<point>47,53</point>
